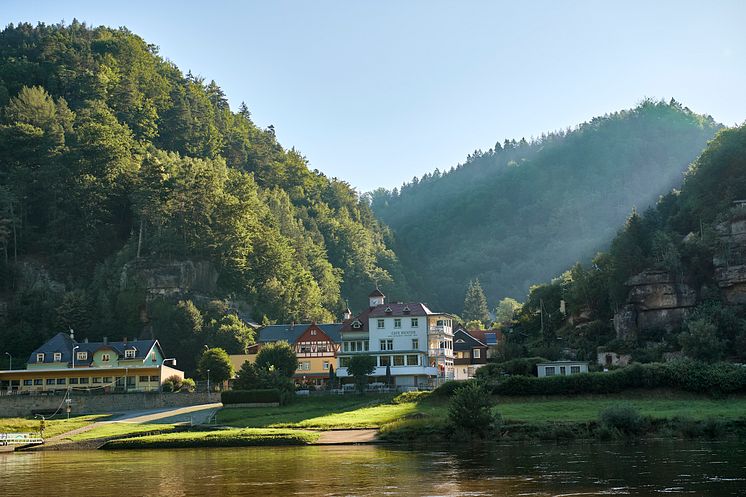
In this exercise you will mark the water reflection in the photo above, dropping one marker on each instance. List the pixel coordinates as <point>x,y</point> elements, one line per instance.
<point>691,468</point>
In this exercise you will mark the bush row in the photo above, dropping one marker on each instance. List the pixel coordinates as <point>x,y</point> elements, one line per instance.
<point>250,396</point>
<point>525,366</point>
<point>692,376</point>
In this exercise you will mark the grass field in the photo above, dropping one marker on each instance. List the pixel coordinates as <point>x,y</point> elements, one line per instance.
<point>111,430</point>
<point>217,438</point>
<point>53,426</point>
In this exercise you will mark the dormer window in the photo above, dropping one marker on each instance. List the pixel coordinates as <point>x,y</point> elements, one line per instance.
<point>57,356</point>
<point>406,309</point>
<point>105,357</point>
<point>82,356</point>
<point>357,324</point>
<point>40,357</point>
<point>388,310</point>
<point>129,354</point>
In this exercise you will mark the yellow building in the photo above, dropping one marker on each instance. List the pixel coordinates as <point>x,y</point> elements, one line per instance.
<point>62,364</point>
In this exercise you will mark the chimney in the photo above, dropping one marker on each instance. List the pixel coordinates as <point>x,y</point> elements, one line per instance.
<point>124,339</point>
<point>72,335</point>
<point>85,340</point>
<point>106,340</point>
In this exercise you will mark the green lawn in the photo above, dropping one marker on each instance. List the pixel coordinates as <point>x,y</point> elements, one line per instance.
<point>53,426</point>
<point>110,430</point>
<point>217,438</point>
<point>582,409</point>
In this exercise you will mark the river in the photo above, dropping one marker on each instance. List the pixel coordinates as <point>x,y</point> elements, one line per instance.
<point>640,469</point>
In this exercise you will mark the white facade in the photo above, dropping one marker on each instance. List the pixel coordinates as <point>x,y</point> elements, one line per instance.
<point>561,368</point>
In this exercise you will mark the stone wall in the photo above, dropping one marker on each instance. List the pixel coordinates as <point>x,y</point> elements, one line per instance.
<point>26,405</point>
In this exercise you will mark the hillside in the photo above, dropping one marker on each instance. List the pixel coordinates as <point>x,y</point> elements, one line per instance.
<point>523,211</point>
<point>673,279</point>
<point>134,201</point>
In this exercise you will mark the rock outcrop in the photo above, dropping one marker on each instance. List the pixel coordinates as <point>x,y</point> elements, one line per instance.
<point>161,278</point>
<point>730,260</point>
<point>656,301</point>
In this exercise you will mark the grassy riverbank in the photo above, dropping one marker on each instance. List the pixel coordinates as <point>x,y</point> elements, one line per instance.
<point>216,438</point>
<point>52,428</point>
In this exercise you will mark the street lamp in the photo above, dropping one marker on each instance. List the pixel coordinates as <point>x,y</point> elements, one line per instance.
<point>208,382</point>
<point>74,348</point>
<point>10,360</point>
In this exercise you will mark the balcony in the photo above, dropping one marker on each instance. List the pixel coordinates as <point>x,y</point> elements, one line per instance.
<point>440,352</point>
<point>440,330</point>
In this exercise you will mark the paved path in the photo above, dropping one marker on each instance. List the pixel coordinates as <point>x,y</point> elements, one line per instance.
<point>344,437</point>
<point>192,414</point>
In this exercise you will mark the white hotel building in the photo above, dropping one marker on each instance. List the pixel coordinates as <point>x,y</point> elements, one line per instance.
<point>415,343</point>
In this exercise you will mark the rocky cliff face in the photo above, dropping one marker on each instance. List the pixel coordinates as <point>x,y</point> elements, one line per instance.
<point>730,259</point>
<point>165,279</point>
<point>656,301</point>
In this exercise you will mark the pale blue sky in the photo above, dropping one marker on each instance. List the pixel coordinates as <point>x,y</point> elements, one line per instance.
<point>378,92</point>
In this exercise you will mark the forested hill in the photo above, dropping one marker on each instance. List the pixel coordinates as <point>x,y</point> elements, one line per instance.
<point>110,154</point>
<point>522,212</point>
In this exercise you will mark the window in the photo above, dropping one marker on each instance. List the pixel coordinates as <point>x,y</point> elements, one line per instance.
<point>96,379</point>
<point>73,381</point>
<point>155,378</point>
<point>384,360</point>
<point>326,364</point>
<point>107,379</point>
<point>344,362</point>
<point>60,381</point>
<point>380,323</point>
<point>144,379</point>
<point>415,344</point>
<point>397,322</point>
<point>84,381</point>
<point>346,346</point>
<point>304,366</point>
<point>313,332</point>
<point>129,353</point>
<point>38,381</point>
<point>415,322</point>
<point>477,353</point>
<point>562,370</point>
<point>130,381</point>
<point>152,357</point>
<point>365,344</point>
<point>387,345</point>
<point>105,357</point>
<point>82,356</point>
<point>357,324</point>
<point>549,371</point>
<point>412,360</point>
<point>50,381</point>
<point>57,356</point>
<point>574,369</point>
<point>398,360</point>
<point>40,357</point>
<point>28,383</point>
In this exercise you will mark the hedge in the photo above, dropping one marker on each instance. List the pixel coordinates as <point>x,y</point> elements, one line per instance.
<point>525,366</point>
<point>688,375</point>
<point>265,396</point>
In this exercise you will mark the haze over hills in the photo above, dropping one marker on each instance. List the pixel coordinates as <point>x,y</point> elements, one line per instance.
<point>522,212</point>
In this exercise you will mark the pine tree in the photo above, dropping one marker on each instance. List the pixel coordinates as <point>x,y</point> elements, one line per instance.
<point>475,303</point>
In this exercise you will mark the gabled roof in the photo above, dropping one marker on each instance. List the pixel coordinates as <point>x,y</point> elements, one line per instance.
<point>62,343</point>
<point>291,332</point>
<point>362,317</point>
<point>399,310</point>
<point>464,340</point>
<point>376,293</point>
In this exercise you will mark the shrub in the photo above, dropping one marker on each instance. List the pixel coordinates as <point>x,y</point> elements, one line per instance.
<point>405,397</point>
<point>470,409</point>
<point>624,418</point>
<point>268,395</point>
<point>188,385</point>
<point>172,384</point>
<point>448,388</point>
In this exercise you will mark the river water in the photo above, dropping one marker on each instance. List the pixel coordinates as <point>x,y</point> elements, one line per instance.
<point>643,469</point>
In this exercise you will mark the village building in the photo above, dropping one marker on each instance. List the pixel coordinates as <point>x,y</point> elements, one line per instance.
<point>410,343</point>
<point>561,368</point>
<point>470,353</point>
<point>316,347</point>
<point>65,364</point>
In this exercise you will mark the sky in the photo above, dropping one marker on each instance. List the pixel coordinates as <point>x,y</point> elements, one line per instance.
<point>377,92</point>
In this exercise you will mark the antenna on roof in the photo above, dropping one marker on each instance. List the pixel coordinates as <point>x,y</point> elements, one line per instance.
<point>72,334</point>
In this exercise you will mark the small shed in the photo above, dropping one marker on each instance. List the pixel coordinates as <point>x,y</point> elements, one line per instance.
<point>561,368</point>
